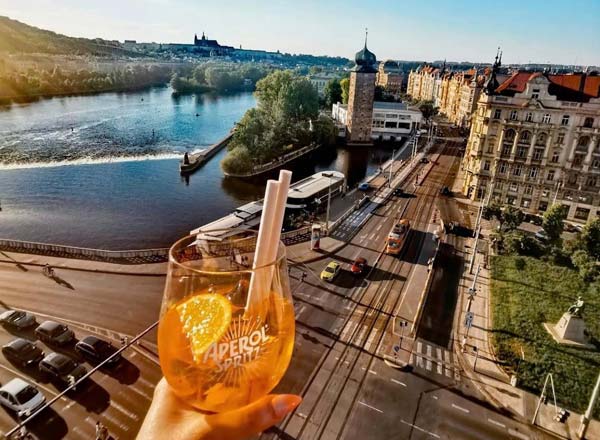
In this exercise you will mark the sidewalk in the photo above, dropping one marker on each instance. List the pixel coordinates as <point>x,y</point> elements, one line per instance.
<point>487,376</point>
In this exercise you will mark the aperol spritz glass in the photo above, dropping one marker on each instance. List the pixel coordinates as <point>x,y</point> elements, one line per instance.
<point>221,346</point>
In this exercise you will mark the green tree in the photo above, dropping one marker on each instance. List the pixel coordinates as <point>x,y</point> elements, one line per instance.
<point>345,84</point>
<point>512,217</point>
<point>589,238</point>
<point>587,267</point>
<point>314,70</point>
<point>553,222</point>
<point>428,109</point>
<point>332,92</point>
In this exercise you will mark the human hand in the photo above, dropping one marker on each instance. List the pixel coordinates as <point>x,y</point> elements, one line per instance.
<point>173,419</point>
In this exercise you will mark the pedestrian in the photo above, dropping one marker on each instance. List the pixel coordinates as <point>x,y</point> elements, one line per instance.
<point>101,431</point>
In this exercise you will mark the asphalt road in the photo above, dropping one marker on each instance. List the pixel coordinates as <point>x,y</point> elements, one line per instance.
<point>118,397</point>
<point>349,391</point>
<point>344,330</point>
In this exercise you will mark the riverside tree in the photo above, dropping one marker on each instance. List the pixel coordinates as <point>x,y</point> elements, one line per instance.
<point>286,117</point>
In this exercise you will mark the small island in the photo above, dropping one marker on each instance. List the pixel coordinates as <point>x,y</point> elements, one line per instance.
<point>286,120</point>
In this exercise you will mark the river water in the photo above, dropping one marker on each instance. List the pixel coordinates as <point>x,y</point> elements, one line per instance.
<point>102,170</point>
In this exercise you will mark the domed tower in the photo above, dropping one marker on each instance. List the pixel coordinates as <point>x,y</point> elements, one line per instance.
<point>361,96</point>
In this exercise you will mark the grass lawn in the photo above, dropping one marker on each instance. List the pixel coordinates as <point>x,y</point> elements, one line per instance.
<point>522,300</point>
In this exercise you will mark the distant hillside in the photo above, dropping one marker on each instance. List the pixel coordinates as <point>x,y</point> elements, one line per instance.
<point>17,37</point>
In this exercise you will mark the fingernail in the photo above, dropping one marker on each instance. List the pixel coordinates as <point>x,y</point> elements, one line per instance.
<point>284,403</point>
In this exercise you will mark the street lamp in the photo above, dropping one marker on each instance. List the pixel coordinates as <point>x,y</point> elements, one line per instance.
<point>391,169</point>
<point>328,202</point>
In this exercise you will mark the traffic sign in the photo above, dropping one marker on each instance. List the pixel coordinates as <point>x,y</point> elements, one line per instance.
<point>469,319</point>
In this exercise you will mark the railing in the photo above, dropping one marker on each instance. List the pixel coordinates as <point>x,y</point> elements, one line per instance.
<point>125,256</point>
<point>275,163</point>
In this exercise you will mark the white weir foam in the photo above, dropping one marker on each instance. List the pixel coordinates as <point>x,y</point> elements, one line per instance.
<point>89,161</point>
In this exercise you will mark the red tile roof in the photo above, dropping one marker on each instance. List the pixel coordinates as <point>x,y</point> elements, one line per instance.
<point>566,87</point>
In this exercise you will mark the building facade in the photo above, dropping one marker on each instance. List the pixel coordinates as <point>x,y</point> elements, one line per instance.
<point>534,142</point>
<point>320,80</point>
<point>390,121</point>
<point>361,97</point>
<point>390,77</point>
<point>455,94</point>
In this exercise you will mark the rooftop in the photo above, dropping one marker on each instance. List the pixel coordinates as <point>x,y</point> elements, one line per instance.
<point>312,185</point>
<point>575,87</point>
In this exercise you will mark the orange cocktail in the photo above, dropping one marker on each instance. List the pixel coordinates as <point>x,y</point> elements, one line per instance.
<point>216,351</point>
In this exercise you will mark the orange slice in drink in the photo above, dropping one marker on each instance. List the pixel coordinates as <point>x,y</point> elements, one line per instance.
<point>204,318</point>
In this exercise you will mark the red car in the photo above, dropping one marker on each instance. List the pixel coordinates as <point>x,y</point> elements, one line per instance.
<point>358,266</point>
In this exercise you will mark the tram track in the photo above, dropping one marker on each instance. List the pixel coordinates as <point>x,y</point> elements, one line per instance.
<point>366,329</point>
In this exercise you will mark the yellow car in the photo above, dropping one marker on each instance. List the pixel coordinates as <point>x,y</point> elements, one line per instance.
<point>331,271</point>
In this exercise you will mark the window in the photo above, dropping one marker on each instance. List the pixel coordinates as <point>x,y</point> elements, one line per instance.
<point>525,137</point>
<point>555,157</point>
<point>560,138</point>
<point>510,135</point>
<point>582,213</point>
<point>528,189</point>
<point>511,200</point>
<point>541,139</point>
<point>522,152</point>
<point>596,163</point>
<point>543,206</point>
<point>529,117</point>
<point>550,175</point>
<point>502,169</point>
<point>588,123</point>
<point>533,172</point>
<point>513,115</point>
<point>572,179</point>
<point>517,170</point>
<point>583,142</point>
<point>578,160</point>
<point>391,124</point>
<point>538,153</point>
<point>497,113</point>
<point>486,165</point>
<point>506,149</point>
<point>546,119</point>
<point>592,181</point>
<point>535,94</point>
<point>526,203</point>
<point>565,120</point>
<point>545,192</point>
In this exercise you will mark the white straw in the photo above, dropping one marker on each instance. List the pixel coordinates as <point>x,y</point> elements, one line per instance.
<point>261,253</point>
<point>285,177</point>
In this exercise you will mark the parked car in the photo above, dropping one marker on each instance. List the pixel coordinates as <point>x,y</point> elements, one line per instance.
<point>22,352</point>
<point>445,191</point>
<point>424,160</point>
<point>54,333</point>
<point>399,192</point>
<point>358,266</point>
<point>331,271</point>
<point>62,368</point>
<point>541,235</point>
<point>21,397</point>
<point>365,186</point>
<point>17,319</point>
<point>96,350</point>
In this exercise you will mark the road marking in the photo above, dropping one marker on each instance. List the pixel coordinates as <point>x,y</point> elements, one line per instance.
<point>435,397</point>
<point>465,410</point>
<point>369,406</point>
<point>418,428</point>
<point>379,227</point>
<point>373,372</point>
<point>517,434</point>
<point>497,423</point>
<point>372,236</point>
<point>428,361</point>
<point>28,380</point>
<point>123,410</point>
<point>398,382</point>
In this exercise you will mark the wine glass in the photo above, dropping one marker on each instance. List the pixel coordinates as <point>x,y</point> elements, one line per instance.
<point>226,329</point>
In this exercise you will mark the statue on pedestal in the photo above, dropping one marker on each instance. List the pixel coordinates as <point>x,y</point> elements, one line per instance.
<point>570,329</point>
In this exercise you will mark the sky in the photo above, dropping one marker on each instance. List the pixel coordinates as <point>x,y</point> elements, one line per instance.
<point>561,32</point>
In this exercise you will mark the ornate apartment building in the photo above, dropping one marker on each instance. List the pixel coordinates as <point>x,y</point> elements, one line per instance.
<point>454,93</point>
<point>534,142</point>
<point>390,77</point>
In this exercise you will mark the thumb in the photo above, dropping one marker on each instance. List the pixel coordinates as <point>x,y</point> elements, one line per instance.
<point>252,419</point>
